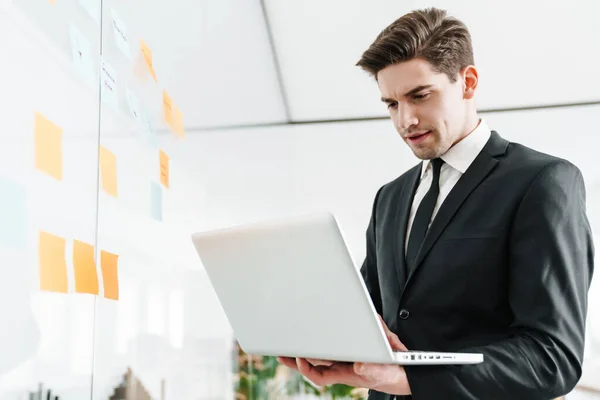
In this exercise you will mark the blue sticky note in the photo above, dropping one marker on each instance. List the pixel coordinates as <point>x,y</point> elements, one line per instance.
<point>156,201</point>
<point>13,215</point>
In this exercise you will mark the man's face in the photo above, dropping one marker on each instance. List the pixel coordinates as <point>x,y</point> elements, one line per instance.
<point>428,110</point>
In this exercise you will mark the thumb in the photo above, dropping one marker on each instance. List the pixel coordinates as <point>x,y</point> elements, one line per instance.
<point>396,343</point>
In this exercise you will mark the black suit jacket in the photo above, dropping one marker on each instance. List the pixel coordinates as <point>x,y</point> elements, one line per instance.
<point>504,270</point>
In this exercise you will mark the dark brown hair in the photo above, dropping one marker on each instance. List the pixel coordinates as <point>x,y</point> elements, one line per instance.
<point>430,34</point>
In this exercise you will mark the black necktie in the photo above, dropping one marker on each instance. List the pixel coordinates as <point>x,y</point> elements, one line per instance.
<point>423,216</point>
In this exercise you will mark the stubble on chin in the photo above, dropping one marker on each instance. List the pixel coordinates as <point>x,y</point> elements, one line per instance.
<point>427,153</point>
<point>434,149</point>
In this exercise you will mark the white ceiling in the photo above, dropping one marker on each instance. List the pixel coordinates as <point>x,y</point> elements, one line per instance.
<point>530,52</point>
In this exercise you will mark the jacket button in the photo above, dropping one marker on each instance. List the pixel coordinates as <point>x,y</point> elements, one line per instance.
<point>404,314</point>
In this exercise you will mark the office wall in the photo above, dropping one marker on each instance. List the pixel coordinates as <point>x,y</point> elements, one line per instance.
<point>303,168</point>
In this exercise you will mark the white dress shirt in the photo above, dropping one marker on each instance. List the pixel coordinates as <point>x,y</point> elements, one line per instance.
<point>456,161</point>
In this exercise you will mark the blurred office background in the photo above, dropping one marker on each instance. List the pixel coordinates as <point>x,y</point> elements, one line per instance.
<point>127,125</point>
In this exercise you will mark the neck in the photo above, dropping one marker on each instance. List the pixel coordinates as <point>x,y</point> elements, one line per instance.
<point>471,124</point>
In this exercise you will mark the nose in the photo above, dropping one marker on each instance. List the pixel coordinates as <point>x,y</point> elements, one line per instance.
<point>405,118</point>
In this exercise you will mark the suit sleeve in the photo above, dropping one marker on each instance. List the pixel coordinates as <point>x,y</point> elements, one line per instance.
<point>369,266</point>
<point>551,255</point>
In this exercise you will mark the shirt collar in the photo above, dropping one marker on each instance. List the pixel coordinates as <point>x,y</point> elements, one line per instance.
<point>462,154</point>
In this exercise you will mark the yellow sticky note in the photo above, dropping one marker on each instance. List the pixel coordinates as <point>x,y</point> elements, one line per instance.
<point>178,122</point>
<point>164,169</point>
<point>108,171</point>
<point>148,57</point>
<point>168,109</point>
<point>110,274</point>
<point>52,263</point>
<point>48,146</point>
<point>84,265</point>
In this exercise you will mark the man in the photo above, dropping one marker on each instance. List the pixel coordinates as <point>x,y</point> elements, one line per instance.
<point>483,247</point>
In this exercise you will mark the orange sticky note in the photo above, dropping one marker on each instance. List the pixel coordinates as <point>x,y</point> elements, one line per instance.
<point>178,122</point>
<point>52,263</point>
<point>84,265</point>
<point>108,171</point>
<point>168,109</point>
<point>48,146</point>
<point>110,274</point>
<point>148,57</point>
<point>164,169</point>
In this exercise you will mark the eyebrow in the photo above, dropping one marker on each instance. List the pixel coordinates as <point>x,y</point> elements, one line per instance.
<point>409,93</point>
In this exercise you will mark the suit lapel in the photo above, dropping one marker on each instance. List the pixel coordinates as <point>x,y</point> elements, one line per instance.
<point>473,176</point>
<point>406,198</point>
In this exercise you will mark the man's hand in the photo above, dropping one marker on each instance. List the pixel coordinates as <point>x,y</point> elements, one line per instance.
<point>382,377</point>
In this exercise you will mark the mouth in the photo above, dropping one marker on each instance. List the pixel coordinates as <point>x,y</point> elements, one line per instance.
<point>418,137</point>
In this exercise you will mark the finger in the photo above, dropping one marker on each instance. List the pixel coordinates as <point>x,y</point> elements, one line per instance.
<point>337,373</point>
<point>359,368</point>
<point>395,342</point>
<point>393,339</point>
<point>385,327</point>
<point>312,373</point>
<point>316,362</point>
<point>289,362</point>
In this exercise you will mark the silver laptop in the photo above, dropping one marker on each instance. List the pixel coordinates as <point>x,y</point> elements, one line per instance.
<point>289,287</point>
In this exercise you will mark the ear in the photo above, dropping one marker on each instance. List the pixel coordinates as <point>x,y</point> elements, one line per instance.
<point>470,79</point>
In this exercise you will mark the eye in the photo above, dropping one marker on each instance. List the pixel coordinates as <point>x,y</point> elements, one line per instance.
<point>422,96</point>
<point>392,105</point>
